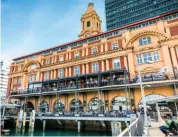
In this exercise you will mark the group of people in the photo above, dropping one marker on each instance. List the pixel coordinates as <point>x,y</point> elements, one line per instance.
<point>171,126</point>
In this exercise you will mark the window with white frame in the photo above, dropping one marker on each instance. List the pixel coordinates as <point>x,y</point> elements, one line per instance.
<point>61,58</point>
<point>61,73</point>
<point>19,67</point>
<point>139,59</point>
<point>32,78</point>
<point>46,75</point>
<point>115,46</point>
<point>47,61</point>
<point>33,66</point>
<point>116,63</point>
<point>77,55</point>
<point>147,57</point>
<point>156,56</point>
<point>77,70</point>
<point>144,41</point>
<point>94,51</point>
<point>95,67</point>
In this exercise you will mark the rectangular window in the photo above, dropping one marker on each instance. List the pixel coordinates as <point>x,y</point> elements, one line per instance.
<point>76,55</point>
<point>95,67</point>
<point>61,73</point>
<point>147,57</point>
<point>94,51</point>
<point>77,70</point>
<point>116,63</point>
<point>19,68</point>
<point>88,23</point>
<point>156,56</point>
<point>144,41</point>
<point>139,59</point>
<point>62,58</point>
<point>47,75</point>
<point>114,46</point>
<point>47,61</point>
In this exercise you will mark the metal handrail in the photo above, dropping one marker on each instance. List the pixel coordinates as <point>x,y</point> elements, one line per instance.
<point>128,129</point>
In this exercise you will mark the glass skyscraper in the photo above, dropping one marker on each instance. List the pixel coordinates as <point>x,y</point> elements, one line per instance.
<point>124,12</point>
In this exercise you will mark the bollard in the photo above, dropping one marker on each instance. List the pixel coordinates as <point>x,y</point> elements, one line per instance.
<point>33,120</point>
<point>24,122</point>
<point>44,125</point>
<point>78,126</point>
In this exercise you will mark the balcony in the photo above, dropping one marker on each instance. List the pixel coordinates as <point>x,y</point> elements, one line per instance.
<point>90,81</point>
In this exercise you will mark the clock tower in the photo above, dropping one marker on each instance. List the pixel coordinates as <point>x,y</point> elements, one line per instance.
<point>90,22</point>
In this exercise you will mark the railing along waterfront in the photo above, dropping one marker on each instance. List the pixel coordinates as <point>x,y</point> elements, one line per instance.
<point>136,128</point>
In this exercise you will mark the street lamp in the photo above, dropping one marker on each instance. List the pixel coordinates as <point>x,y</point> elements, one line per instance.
<point>143,94</point>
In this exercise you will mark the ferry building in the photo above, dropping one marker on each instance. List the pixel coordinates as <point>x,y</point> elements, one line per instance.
<point>99,71</point>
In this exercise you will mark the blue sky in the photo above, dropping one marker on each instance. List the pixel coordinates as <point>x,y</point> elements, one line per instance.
<point>32,25</point>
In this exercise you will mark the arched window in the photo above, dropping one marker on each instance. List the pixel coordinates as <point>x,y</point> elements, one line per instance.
<point>59,106</point>
<point>28,107</point>
<point>33,66</point>
<point>96,104</point>
<point>43,107</point>
<point>119,103</point>
<point>76,105</point>
<point>144,41</point>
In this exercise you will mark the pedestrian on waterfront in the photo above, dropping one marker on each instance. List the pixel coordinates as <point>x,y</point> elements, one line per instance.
<point>166,127</point>
<point>148,117</point>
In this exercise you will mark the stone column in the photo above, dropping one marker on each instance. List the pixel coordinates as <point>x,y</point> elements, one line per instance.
<point>174,58</point>
<point>52,60</point>
<point>70,72</point>
<point>125,62</point>
<point>83,68</point>
<point>66,72</point>
<point>102,47</point>
<point>102,65</point>
<point>38,76</point>
<point>51,74</point>
<point>54,73</point>
<point>70,55</point>
<point>131,65</point>
<point>86,51</point>
<point>87,68</point>
<point>107,64</point>
<point>166,57</point>
<point>106,46</point>
<point>83,52</point>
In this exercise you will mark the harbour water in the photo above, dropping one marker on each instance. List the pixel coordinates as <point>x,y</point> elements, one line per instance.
<point>55,132</point>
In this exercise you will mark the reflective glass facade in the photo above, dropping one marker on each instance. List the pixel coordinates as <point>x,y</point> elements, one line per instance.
<point>124,12</point>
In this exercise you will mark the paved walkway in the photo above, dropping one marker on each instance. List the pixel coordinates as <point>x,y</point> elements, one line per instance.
<point>154,129</point>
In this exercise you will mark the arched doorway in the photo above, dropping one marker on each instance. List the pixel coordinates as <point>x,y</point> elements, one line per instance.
<point>96,104</point>
<point>28,107</point>
<point>119,103</point>
<point>76,105</point>
<point>150,97</point>
<point>43,107</point>
<point>59,106</point>
<point>163,107</point>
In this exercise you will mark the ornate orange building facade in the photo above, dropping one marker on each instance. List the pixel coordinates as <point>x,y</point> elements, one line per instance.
<point>99,65</point>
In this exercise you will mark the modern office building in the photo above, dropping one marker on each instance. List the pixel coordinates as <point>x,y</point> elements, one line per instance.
<point>4,70</point>
<point>99,71</point>
<point>124,12</point>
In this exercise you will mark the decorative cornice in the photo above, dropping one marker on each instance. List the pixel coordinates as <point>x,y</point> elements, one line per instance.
<point>168,39</point>
<point>145,33</point>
